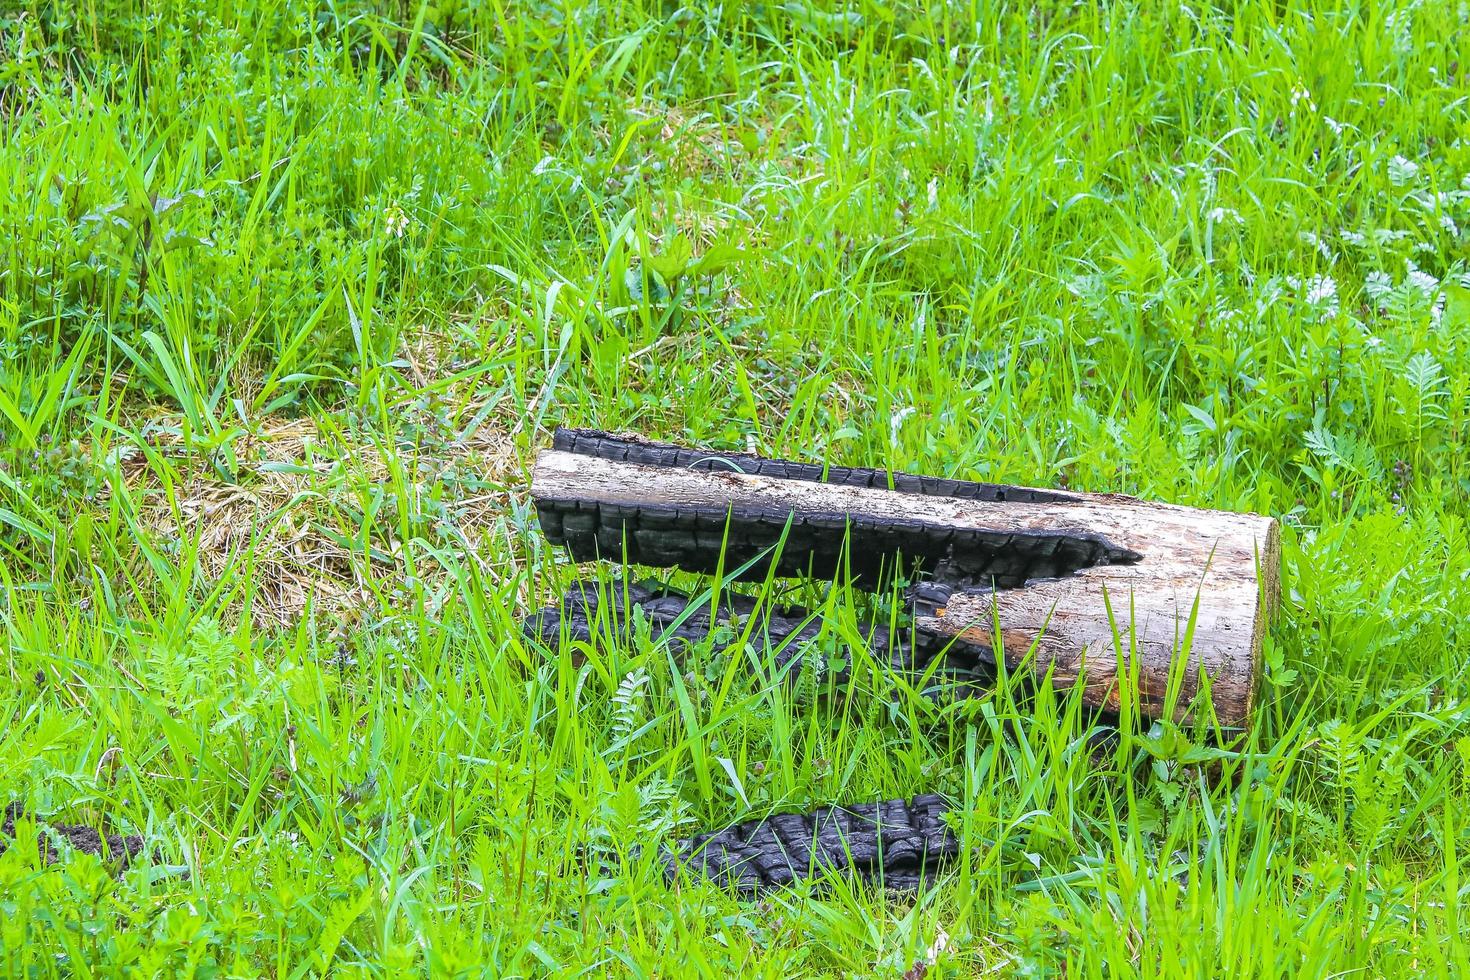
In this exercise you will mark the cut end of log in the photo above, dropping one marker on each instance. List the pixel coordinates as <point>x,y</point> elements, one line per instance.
<point>1268,608</point>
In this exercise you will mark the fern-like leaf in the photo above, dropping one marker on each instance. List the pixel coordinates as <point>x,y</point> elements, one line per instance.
<point>1426,379</point>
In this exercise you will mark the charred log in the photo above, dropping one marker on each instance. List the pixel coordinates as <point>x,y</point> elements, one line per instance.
<point>1132,600</point>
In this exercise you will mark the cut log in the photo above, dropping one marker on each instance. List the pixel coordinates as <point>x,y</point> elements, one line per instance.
<point>1131,599</point>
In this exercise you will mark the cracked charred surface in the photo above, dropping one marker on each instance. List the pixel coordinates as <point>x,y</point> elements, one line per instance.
<point>594,614</point>
<point>897,844</point>
<point>635,449</point>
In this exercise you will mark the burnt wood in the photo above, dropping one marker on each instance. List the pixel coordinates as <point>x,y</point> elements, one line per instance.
<point>826,545</point>
<point>1103,591</point>
<point>594,613</point>
<point>646,452</point>
<point>898,845</point>
<point>1133,601</point>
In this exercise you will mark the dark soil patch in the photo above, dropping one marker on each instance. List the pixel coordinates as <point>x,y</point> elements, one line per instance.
<point>122,848</point>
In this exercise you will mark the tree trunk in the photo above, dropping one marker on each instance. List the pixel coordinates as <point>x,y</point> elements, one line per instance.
<point>1135,600</point>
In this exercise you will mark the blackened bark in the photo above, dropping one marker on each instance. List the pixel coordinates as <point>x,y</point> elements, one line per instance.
<point>824,546</point>
<point>623,449</point>
<point>896,845</point>
<point>592,614</point>
<point>821,545</point>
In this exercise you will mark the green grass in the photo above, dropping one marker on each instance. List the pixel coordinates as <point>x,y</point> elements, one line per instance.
<point>1206,254</point>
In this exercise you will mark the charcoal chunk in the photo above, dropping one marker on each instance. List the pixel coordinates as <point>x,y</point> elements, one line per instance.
<point>894,844</point>
<point>596,613</point>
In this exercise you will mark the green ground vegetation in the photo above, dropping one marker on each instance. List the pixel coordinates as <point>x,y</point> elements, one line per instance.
<point>291,291</point>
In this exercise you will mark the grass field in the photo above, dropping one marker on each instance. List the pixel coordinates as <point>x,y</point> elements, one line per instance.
<point>291,291</point>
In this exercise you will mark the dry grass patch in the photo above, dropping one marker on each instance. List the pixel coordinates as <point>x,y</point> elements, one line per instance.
<point>319,515</point>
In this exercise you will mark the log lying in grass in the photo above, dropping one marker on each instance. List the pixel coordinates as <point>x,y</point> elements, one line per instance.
<point>1119,594</point>
<point>897,845</point>
<point>592,613</point>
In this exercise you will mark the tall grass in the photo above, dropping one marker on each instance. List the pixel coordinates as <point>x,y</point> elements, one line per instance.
<point>1209,254</point>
